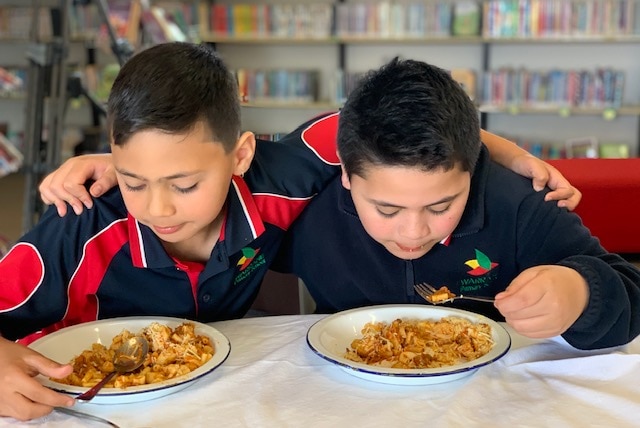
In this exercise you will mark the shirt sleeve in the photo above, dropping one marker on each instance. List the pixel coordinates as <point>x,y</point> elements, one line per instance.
<point>35,273</point>
<point>551,235</point>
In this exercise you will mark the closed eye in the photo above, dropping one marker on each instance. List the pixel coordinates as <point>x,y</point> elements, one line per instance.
<point>134,188</point>
<point>439,211</point>
<point>387,214</point>
<point>186,189</point>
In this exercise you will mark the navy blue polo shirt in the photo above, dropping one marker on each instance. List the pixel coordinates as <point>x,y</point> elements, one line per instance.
<point>105,264</point>
<point>506,228</point>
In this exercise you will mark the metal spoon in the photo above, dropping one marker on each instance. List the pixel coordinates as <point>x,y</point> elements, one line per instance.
<point>128,357</point>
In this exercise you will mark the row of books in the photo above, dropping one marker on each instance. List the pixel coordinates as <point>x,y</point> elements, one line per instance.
<point>436,18</point>
<point>600,88</point>
<point>582,147</point>
<point>344,82</point>
<point>179,20</point>
<point>137,21</point>
<point>17,23</point>
<point>313,20</point>
<point>278,86</point>
<point>372,19</point>
<point>162,20</point>
<point>432,18</point>
<point>557,18</point>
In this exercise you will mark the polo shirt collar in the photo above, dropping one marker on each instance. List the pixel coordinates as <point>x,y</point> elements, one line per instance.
<point>242,225</point>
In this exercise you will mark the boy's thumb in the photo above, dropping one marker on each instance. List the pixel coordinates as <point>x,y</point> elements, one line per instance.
<point>538,184</point>
<point>52,369</point>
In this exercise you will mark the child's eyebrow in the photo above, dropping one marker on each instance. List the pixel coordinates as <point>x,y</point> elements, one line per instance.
<point>390,205</point>
<point>169,177</point>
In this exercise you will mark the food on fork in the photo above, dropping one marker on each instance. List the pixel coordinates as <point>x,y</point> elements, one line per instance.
<point>441,294</point>
<point>172,353</point>
<point>419,344</point>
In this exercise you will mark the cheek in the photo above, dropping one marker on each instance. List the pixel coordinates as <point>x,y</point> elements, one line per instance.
<point>446,224</point>
<point>207,202</point>
<point>134,201</point>
<point>376,226</point>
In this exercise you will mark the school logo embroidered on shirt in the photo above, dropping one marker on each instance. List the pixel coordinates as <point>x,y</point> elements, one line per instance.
<point>480,265</point>
<point>250,261</point>
<point>248,254</point>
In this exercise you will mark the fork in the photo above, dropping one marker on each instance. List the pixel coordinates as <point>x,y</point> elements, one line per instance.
<point>426,291</point>
<point>83,415</point>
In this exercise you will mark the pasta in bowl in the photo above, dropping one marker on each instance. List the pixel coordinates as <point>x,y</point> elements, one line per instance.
<point>89,342</point>
<point>333,338</point>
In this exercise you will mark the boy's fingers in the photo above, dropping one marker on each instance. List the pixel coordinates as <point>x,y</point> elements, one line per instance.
<point>102,184</point>
<point>568,198</point>
<point>61,207</point>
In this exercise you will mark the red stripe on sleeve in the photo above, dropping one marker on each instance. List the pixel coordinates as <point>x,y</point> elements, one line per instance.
<point>321,138</point>
<point>97,256</point>
<point>21,273</point>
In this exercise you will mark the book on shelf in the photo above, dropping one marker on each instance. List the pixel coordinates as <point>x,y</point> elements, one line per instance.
<point>290,86</point>
<point>467,79</point>
<point>466,18</point>
<point>159,26</point>
<point>10,157</point>
<point>124,19</point>
<point>582,147</point>
<point>613,150</point>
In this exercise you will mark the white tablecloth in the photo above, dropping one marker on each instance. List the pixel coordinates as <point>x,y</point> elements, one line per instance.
<point>272,379</point>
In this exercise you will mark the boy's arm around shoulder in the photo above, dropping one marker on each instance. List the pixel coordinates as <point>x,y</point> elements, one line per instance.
<point>284,176</point>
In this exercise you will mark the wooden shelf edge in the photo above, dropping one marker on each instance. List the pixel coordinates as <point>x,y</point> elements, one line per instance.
<point>292,105</point>
<point>561,111</point>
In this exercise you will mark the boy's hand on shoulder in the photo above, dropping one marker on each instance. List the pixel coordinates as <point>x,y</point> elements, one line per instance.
<point>21,396</point>
<point>543,301</point>
<point>67,183</point>
<point>544,174</point>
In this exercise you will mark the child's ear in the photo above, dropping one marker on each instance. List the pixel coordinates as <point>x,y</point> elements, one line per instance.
<point>344,177</point>
<point>244,152</point>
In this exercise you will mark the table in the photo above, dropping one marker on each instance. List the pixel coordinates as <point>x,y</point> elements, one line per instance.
<point>272,379</point>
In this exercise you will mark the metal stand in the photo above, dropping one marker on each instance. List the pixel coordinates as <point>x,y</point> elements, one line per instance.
<point>49,89</point>
<point>47,84</point>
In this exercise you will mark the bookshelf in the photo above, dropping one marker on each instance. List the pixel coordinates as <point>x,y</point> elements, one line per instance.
<point>506,44</point>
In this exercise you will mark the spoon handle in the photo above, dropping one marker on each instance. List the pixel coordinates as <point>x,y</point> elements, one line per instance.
<point>88,395</point>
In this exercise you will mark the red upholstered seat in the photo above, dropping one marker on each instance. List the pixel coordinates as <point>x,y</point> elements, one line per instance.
<point>610,205</point>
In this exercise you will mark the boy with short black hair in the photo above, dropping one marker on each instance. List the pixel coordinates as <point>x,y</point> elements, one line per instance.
<point>419,200</point>
<point>183,235</point>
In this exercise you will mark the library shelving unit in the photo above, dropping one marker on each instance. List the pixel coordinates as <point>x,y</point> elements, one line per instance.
<point>498,44</point>
<point>41,43</point>
<point>41,27</point>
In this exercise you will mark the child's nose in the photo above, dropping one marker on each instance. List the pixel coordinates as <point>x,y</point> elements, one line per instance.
<point>415,227</point>
<point>160,204</point>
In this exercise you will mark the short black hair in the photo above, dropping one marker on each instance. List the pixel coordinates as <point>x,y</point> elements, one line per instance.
<point>170,87</point>
<point>408,113</point>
